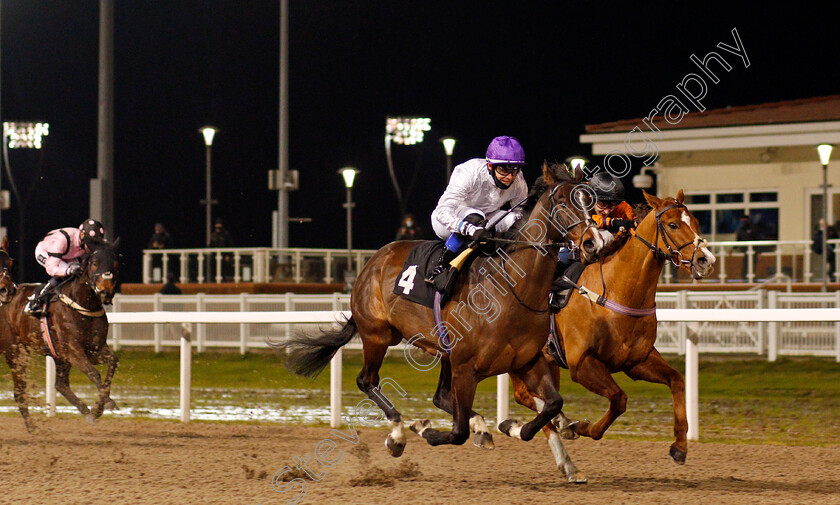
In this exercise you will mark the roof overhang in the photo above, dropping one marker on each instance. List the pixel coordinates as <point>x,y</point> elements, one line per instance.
<point>710,139</point>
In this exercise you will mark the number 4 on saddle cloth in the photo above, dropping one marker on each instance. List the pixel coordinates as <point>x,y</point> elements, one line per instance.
<point>418,264</point>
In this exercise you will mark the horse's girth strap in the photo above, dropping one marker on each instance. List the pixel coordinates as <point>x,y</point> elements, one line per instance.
<point>66,300</point>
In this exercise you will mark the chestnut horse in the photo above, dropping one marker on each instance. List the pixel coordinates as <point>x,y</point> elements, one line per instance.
<point>497,322</point>
<point>599,342</point>
<point>79,329</point>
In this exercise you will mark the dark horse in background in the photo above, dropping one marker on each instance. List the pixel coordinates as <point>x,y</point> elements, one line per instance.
<point>483,344</point>
<point>79,329</point>
<point>599,342</point>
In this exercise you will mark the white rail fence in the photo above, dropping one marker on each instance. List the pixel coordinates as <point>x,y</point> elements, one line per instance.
<point>693,319</point>
<point>761,338</point>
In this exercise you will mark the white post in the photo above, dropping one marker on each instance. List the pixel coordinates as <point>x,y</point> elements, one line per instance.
<point>335,390</point>
<point>147,268</point>
<point>837,329</point>
<point>502,398</point>
<point>50,392</point>
<point>158,331</point>
<point>773,328</point>
<point>692,408</point>
<point>185,269</point>
<point>682,329</point>
<point>243,327</point>
<point>202,328</point>
<point>186,374</point>
<point>200,276</point>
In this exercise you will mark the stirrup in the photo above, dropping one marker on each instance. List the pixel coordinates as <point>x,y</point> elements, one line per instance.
<point>558,299</point>
<point>439,269</point>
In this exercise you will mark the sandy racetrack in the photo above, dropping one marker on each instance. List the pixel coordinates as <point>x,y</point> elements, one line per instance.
<point>132,462</point>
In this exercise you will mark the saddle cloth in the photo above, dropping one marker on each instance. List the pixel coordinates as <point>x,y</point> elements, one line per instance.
<point>421,260</point>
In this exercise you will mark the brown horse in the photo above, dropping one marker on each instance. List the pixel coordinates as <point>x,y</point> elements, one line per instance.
<point>599,342</point>
<point>497,318</point>
<point>7,283</point>
<point>79,328</point>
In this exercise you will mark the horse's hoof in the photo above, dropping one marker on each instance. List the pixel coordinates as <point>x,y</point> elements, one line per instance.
<point>507,425</point>
<point>484,441</point>
<point>570,431</point>
<point>393,447</point>
<point>90,418</point>
<point>578,478</point>
<point>111,405</point>
<point>678,455</point>
<point>420,426</point>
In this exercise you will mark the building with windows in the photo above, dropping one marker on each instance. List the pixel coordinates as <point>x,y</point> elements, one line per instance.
<point>754,160</point>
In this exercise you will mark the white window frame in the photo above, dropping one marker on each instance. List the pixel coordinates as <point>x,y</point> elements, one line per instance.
<point>744,206</point>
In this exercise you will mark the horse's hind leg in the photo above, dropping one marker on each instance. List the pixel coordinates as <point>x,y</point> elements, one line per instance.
<point>374,349</point>
<point>594,375</point>
<point>107,355</point>
<point>62,385</point>
<point>656,369</point>
<point>443,401</point>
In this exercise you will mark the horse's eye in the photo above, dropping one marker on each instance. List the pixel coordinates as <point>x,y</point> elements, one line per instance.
<point>673,226</point>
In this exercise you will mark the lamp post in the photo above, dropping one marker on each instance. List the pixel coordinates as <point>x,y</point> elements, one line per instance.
<point>349,174</point>
<point>208,132</point>
<point>407,131</point>
<point>449,147</point>
<point>576,161</point>
<point>824,150</point>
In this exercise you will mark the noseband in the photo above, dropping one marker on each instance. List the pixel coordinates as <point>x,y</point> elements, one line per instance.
<point>673,253</point>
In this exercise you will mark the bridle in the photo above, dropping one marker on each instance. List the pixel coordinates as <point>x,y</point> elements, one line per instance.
<point>91,279</point>
<point>590,224</point>
<point>6,274</point>
<point>673,253</point>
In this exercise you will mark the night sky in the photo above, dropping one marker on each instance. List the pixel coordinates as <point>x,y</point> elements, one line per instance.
<point>539,71</point>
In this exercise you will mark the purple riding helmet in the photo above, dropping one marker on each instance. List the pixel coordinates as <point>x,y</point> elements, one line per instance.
<point>504,151</point>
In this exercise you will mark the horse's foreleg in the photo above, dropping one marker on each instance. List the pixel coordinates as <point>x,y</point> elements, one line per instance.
<point>536,385</point>
<point>62,385</point>
<point>107,355</point>
<point>80,360</point>
<point>19,374</point>
<point>564,462</point>
<point>656,369</point>
<point>594,376</point>
<point>374,349</point>
<point>443,401</point>
<point>463,389</point>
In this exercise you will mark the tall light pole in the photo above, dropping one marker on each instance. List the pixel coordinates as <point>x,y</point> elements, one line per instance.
<point>407,131</point>
<point>209,132</point>
<point>349,175</point>
<point>824,151</point>
<point>449,148</point>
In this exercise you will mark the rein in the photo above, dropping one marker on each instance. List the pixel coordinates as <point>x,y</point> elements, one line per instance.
<point>66,300</point>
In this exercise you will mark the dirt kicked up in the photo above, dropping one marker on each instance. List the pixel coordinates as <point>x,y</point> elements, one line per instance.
<point>143,462</point>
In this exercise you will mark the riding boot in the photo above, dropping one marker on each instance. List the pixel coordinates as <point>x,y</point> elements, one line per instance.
<point>36,304</point>
<point>443,265</point>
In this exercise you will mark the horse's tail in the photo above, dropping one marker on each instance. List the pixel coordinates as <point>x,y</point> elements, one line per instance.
<point>308,355</point>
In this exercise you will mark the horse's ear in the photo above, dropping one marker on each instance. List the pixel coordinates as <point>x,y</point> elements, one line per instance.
<point>680,196</point>
<point>4,244</point>
<point>652,200</point>
<point>578,173</point>
<point>116,244</point>
<point>548,175</point>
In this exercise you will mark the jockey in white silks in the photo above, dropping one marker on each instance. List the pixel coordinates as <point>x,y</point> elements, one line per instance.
<point>59,253</point>
<point>478,191</point>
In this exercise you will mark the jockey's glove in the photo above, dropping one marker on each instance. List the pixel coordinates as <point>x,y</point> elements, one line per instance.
<point>74,269</point>
<point>617,225</point>
<point>482,235</point>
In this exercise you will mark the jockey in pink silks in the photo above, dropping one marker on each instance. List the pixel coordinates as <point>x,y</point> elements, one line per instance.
<point>60,253</point>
